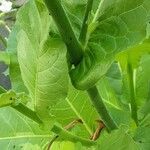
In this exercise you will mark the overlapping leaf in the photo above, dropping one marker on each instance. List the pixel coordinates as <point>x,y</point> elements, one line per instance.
<point>118,139</point>
<point>42,60</point>
<point>44,70</point>
<point>134,62</point>
<point>76,106</point>
<point>115,27</point>
<point>116,108</point>
<point>75,11</point>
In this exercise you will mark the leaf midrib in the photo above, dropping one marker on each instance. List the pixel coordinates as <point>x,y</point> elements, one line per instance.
<point>80,117</point>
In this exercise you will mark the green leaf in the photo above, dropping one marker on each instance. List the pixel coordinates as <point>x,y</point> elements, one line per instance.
<point>116,108</point>
<point>16,130</point>
<point>42,60</point>
<point>135,82</point>
<point>76,106</point>
<point>117,139</point>
<point>138,58</point>
<point>115,82</point>
<point>115,27</point>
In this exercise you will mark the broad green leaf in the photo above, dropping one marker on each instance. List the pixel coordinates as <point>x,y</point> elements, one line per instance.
<point>115,107</point>
<point>67,145</point>
<point>76,106</point>
<point>134,62</point>
<point>115,82</point>
<point>118,139</point>
<point>115,27</point>
<point>14,69</point>
<point>16,130</point>
<point>42,60</point>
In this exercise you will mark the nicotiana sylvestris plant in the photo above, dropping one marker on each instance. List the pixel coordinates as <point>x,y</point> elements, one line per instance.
<point>79,72</point>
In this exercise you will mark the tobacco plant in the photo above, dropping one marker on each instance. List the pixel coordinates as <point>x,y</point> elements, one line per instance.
<point>79,72</point>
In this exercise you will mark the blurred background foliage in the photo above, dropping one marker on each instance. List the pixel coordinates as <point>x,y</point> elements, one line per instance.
<point>8,10</point>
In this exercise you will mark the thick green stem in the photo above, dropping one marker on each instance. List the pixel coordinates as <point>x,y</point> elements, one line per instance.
<point>132,94</point>
<point>101,108</point>
<point>84,28</point>
<point>27,112</point>
<point>65,29</point>
<point>76,53</point>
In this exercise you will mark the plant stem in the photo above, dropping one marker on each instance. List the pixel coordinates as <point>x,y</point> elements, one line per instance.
<point>101,108</point>
<point>76,53</point>
<point>93,92</point>
<point>98,11</point>
<point>132,94</point>
<point>67,127</point>
<point>27,112</point>
<point>68,135</point>
<point>64,26</point>
<point>84,28</point>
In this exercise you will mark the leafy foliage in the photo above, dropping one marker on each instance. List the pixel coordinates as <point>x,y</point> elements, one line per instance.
<point>16,130</point>
<point>120,139</point>
<point>40,59</point>
<point>51,90</point>
<point>111,31</point>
